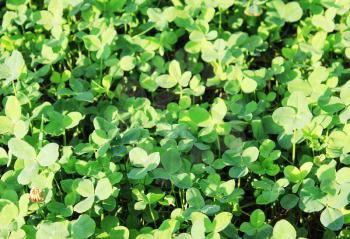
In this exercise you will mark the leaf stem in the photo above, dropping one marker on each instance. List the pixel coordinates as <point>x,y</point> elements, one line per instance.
<point>218,145</point>
<point>294,144</point>
<point>152,215</point>
<point>14,88</point>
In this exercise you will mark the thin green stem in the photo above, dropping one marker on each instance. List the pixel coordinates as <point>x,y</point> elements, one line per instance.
<point>294,144</point>
<point>152,215</point>
<point>58,187</point>
<point>173,193</point>
<point>14,88</point>
<point>144,32</point>
<point>218,145</point>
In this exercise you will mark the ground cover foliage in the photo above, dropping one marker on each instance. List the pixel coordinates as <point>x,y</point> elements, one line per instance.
<point>174,119</point>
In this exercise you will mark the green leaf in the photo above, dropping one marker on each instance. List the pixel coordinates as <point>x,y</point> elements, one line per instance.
<point>283,229</point>
<point>171,161</point>
<point>289,201</point>
<point>332,218</point>
<point>137,173</point>
<point>3,156</point>
<point>221,221</point>
<point>85,188</point>
<point>200,116</point>
<point>194,198</point>
<point>92,43</point>
<point>292,173</point>
<point>119,232</point>
<point>227,188</point>
<point>13,108</point>
<point>21,149</point>
<point>83,227</point>
<point>103,189</point>
<point>257,218</point>
<point>48,155</point>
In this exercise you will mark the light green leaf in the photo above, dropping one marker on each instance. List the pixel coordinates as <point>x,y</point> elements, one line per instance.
<point>13,108</point>
<point>344,93</point>
<point>127,63</point>
<point>85,188</point>
<point>284,116</point>
<point>92,43</point>
<point>166,81</point>
<point>292,173</point>
<point>21,149</point>
<point>138,157</point>
<point>250,154</point>
<point>221,221</point>
<point>290,12</point>
<point>332,218</point>
<point>55,230</point>
<point>198,229</point>
<point>28,173</point>
<point>103,189</point>
<point>48,155</point>
<point>84,205</point>
<point>15,64</point>
<point>283,229</point>
<point>248,85</point>
<point>120,232</point>
<point>218,110</point>
<point>323,22</point>
<point>20,129</point>
<point>3,156</point>
<point>8,211</point>
<point>185,79</point>
<point>175,70</point>
<point>6,125</point>
<point>56,7</point>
